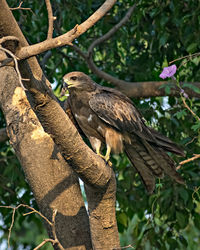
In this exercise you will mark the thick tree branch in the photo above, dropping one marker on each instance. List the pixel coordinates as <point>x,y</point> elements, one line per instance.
<point>131,89</point>
<point>67,38</point>
<point>138,89</point>
<point>55,121</point>
<point>52,183</point>
<point>83,160</point>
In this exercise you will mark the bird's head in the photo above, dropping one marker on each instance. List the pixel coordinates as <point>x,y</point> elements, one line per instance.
<point>78,81</point>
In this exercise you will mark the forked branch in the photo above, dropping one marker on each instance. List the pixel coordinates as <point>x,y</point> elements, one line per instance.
<point>67,38</point>
<point>131,89</point>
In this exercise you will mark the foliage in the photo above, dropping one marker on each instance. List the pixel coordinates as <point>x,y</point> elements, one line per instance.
<point>157,33</point>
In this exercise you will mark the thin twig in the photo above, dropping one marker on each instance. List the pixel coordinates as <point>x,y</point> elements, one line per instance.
<point>129,246</point>
<point>11,226</point>
<point>188,56</point>
<point>184,102</point>
<point>52,224</point>
<point>33,211</point>
<point>196,191</point>
<point>37,212</point>
<point>196,137</point>
<point>113,30</point>
<point>20,8</point>
<point>54,229</point>
<point>16,66</point>
<point>188,108</point>
<point>31,208</point>
<point>51,19</point>
<point>196,156</point>
<point>44,242</point>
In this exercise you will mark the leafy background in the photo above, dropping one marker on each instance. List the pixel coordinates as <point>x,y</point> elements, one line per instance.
<point>157,33</point>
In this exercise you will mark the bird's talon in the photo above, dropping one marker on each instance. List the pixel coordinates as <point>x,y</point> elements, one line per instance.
<point>109,163</point>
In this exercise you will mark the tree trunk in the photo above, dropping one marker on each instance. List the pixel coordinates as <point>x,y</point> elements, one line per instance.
<point>52,181</point>
<point>48,166</point>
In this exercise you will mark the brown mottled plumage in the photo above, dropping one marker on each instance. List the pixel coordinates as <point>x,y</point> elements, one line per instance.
<point>106,116</point>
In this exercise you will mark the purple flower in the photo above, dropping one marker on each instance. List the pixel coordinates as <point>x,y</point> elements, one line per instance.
<point>168,71</point>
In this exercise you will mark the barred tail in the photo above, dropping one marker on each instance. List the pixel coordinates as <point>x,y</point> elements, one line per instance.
<point>150,162</point>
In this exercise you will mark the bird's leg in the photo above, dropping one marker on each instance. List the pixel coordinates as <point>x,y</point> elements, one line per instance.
<point>107,156</point>
<point>99,152</point>
<point>96,145</point>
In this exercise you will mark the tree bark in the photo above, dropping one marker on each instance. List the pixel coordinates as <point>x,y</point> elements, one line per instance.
<point>3,135</point>
<point>52,181</point>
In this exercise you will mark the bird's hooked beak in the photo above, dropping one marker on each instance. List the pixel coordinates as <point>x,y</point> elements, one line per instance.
<point>69,83</point>
<point>66,85</point>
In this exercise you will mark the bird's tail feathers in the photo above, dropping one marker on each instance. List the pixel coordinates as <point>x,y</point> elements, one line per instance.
<point>166,143</point>
<point>144,172</point>
<point>150,162</point>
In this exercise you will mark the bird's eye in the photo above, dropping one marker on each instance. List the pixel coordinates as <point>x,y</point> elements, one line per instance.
<point>74,78</point>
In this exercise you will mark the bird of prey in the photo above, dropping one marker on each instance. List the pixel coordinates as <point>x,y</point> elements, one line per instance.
<point>108,117</point>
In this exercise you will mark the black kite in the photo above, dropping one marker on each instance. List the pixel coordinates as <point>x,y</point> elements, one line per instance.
<point>108,117</point>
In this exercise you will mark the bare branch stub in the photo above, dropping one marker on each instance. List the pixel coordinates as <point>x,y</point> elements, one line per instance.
<point>51,19</point>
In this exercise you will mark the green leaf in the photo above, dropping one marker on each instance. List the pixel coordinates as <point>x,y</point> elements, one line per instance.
<point>191,86</point>
<point>192,47</point>
<point>184,195</point>
<point>181,114</point>
<point>172,243</point>
<point>163,39</point>
<point>196,126</point>
<point>197,209</point>
<point>183,241</point>
<point>182,219</point>
<point>167,90</point>
<point>122,218</point>
<point>197,220</point>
